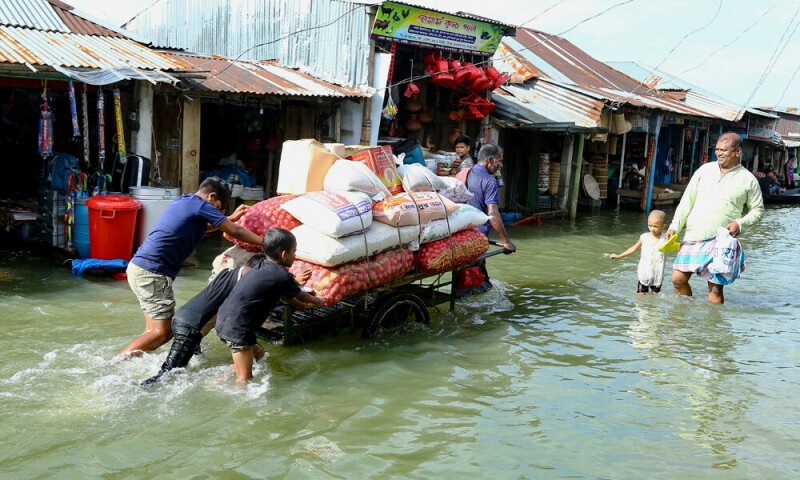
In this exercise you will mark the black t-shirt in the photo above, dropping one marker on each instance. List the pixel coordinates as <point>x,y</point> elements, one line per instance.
<point>251,300</point>
<point>195,313</point>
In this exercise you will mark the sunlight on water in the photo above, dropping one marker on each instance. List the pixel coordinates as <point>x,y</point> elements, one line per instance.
<point>560,370</point>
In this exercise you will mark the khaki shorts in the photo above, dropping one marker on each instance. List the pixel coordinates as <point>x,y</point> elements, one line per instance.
<point>154,292</point>
<point>236,347</point>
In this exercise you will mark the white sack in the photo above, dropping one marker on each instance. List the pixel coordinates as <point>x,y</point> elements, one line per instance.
<point>355,176</point>
<point>333,213</point>
<point>417,178</point>
<point>466,217</point>
<point>315,247</point>
<point>455,190</point>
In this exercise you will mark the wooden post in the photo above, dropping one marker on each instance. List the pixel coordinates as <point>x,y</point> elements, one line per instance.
<point>621,165</point>
<point>565,170</point>
<point>576,181</point>
<point>190,147</point>
<point>650,174</point>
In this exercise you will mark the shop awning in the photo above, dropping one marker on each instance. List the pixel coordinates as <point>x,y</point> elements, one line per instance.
<point>107,76</point>
<point>220,74</point>
<point>75,55</point>
<point>546,106</point>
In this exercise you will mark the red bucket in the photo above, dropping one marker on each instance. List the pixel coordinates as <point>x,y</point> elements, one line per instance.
<point>112,224</point>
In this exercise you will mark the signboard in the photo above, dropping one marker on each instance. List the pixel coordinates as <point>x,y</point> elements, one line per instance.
<point>762,129</point>
<point>739,127</point>
<point>417,26</point>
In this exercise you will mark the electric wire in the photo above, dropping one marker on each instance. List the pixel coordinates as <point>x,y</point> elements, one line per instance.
<point>559,2</point>
<point>779,48</point>
<point>616,104</point>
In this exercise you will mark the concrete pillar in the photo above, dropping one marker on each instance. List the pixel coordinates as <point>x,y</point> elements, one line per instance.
<point>142,138</point>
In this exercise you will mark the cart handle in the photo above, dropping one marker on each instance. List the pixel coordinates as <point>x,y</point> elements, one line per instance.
<point>494,252</point>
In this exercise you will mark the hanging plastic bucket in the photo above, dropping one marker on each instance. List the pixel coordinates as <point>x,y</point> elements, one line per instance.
<point>112,221</point>
<point>81,231</point>
<point>154,200</point>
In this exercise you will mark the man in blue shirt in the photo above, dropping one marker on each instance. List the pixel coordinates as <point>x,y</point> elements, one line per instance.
<point>158,260</point>
<point>483,184</point>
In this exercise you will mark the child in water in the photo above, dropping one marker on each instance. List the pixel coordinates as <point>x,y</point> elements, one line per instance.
<point>255,295</point>
<point>651,263</point>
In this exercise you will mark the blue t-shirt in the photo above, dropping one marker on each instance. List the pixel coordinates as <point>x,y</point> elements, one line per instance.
<point>483,186</point>
<point>251,301</point>
<point>176,234</point>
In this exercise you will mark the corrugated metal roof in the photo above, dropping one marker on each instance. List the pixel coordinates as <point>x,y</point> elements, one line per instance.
<point>265,78</point>
<point>76,23</point>
<point>696,97</point>
<point>556,104</point>
<point>535,54</point>
<point>36,14</point>
<point>329,39</point>
<point>36,47</point>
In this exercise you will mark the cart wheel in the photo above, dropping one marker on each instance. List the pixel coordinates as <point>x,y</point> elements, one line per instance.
<point>394,311</point>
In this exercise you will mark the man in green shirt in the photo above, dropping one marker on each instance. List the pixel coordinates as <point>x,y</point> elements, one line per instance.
<point>719,194</point>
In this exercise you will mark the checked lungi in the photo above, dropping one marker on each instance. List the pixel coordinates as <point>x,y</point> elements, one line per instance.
<point>694,256</point>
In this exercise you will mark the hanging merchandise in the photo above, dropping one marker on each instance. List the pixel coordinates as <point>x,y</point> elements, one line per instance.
<point>101,130</point>
<point>73,110</point>
<point>390,110</point>
<point>85,112</point>
<point>45,127</point>
<point>120,133</point>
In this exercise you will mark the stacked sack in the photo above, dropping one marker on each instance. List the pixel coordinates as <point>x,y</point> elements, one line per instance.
<point>366,228</point>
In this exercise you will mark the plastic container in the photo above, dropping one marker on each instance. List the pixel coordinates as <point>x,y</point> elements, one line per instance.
<point>154,200</point>
<point>412,149</point>
<point>81,231</point>
<point>112,223</point>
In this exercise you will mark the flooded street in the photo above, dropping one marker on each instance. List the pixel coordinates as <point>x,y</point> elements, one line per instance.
<point>562,371</point>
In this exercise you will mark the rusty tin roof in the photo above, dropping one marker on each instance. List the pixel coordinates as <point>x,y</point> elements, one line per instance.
<point>220,74</point>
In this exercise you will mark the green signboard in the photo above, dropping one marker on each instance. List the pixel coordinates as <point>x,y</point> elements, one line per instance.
<point>416,26</point>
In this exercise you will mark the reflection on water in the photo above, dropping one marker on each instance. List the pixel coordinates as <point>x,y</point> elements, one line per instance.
<point>559,371</point>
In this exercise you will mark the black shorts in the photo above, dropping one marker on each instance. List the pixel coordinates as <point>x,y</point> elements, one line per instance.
<point>644,288</point>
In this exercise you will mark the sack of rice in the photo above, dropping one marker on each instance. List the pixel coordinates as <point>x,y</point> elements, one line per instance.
<point>354,176</point>
<point>264,215</point>
<point>316,247</point>
<point>333,213</point>
<point>442,255</point>
<point>413,208</point>
<point>417,178</point>
<point>465,218</point>
<point>337,283</point>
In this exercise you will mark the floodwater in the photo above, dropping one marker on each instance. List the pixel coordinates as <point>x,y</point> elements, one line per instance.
<point>562,371</point>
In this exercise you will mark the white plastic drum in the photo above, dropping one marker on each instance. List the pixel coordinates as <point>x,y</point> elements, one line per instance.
<point>154,201</point>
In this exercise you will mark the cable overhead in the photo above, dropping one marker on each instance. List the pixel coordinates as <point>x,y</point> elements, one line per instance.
<point>615,104</point>
<point>524,47</point>
<point>774,57</point>
<point>559,2</point>
<point>729,43</point>
<point>316,27</point>
<point>791,79</point>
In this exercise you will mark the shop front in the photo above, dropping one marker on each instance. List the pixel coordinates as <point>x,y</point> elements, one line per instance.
<point>438,81</point>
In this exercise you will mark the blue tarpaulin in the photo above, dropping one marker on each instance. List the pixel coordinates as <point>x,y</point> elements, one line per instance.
<point>81,265</point>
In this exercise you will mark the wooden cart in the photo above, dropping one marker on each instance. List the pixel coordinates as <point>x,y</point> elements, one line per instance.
<point>374,313</point>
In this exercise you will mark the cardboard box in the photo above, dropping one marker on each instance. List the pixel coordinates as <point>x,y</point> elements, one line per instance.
<point>303,166</point>
<point>381,161</point>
